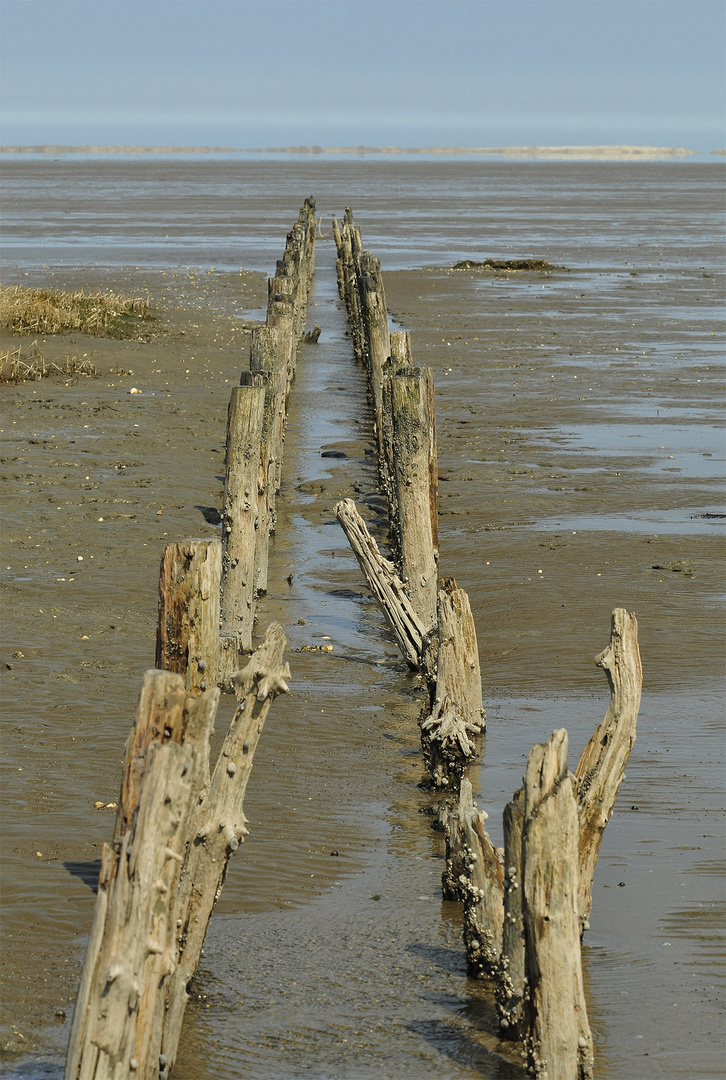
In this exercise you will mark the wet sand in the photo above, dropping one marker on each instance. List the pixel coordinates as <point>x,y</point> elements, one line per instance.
<point>559,405</point>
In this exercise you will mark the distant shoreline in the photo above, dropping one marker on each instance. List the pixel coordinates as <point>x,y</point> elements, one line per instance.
<point>551,153</point>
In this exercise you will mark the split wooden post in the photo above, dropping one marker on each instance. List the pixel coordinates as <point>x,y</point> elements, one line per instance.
<point>558,1041</point>
<point>239,521</point>
<point>456,714</point>
<point>218,825</point>
<point>602,765</point>
<point>415,494</point>
<point>188,627</point>
<point>384,583</point>
<point>116,1030</point>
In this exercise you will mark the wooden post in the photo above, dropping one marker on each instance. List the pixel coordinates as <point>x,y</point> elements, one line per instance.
<point>349,276</point>
<point>456,713</point>
<point>218,826</point>
<point>188,627</point>
<point>399,361</point>
<point>264,361</point>
<point>482,888</point>
<point>401,355</point>
<point>453,877</point>
<point>339,261</point>
<point>384,583</point>
<point>602,765</point>
<point>511,981</point>
<point>116,1030</point>
<point>415,496</point>
<point>558,1041</point>
<point>280,316</point>
<point>378,344</point>
<point>239,520</point>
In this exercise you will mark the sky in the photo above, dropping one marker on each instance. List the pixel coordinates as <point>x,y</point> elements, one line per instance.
<point>260,73</point>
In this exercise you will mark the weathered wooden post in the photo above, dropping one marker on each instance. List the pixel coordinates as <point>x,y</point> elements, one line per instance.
<point>512,981</point>
<point>415,495</point>
<point>187,635</point>
<point>399,361</point>
<point>174,834</point>
<point>281,315</point>
<point>481,887</point>
<point>339,261</point>
<point>239,521</point>
<point>375,322</point>
<point>116,1030</point>
<point>558,1041</point>
<point>602,765</point>
<point>456,713</point>
<point>218,827</point>
<point>264,361</point>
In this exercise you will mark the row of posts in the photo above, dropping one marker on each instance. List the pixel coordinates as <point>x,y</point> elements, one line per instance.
<point>179,820</point>
<point>525,905</point>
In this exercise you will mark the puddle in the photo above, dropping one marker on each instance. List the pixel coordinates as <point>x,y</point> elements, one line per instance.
<point>690,522</point>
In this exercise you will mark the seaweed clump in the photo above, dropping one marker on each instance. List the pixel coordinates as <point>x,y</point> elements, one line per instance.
<point>509,265</point>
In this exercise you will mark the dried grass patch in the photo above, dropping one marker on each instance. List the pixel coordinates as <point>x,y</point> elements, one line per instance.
<point>17,366</point>
<point>53,311</point>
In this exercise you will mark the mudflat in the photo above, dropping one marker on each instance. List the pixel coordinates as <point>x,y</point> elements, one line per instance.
<point>581,462</point>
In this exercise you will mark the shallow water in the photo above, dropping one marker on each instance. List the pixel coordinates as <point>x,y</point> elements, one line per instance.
<point>349,965</point>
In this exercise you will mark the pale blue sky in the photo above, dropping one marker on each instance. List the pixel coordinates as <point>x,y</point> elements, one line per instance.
<point>380,72</point>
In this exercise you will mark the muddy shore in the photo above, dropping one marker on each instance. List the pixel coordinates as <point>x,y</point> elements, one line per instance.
<point>581,469</point>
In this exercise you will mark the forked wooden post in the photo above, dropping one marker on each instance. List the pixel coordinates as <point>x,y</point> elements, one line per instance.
<point>217,827</point>
<point>174,834</point>
<point>558,1041</point>
<point>602,765</point>
<point>239,522</point>
<point>188,627</point>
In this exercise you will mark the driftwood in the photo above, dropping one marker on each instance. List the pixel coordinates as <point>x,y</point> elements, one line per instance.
<point>218,825</point>
<point>384,583</point>
<point>116,1030</point>
<point>188,625</point>
<point>558,1041</point>
<point>239,521</point>
<point>602,765</point>
<point>456,713</point>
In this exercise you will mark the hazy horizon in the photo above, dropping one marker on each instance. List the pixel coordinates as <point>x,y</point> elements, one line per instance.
<point>346,73</point>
